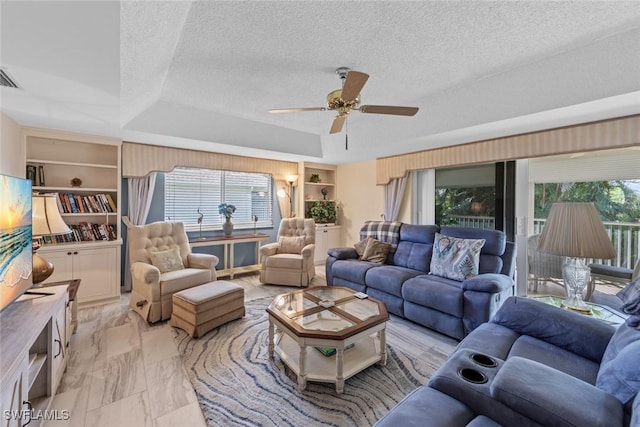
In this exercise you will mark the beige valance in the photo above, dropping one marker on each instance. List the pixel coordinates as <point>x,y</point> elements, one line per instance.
<point>614,133</point>
<point>139,160</point>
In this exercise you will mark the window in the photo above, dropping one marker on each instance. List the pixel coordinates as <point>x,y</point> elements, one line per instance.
<point>190,192</point>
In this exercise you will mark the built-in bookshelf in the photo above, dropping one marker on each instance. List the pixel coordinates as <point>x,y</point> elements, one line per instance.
<point>83,172</point>
<point>318,183</point>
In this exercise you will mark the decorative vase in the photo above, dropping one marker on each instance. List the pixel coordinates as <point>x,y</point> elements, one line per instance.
<point>227,226</point>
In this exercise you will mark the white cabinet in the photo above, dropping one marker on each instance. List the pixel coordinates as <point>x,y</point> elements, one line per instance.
<point>327,237</point>
<point>33,353</point>
<point>13,396</point>
<point>96,266</point>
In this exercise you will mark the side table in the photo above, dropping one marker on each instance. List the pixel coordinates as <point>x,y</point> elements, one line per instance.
<point>598,311</point>
<point>73,291</point>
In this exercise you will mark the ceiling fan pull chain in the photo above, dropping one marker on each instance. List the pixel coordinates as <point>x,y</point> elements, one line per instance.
<point>346,136</point>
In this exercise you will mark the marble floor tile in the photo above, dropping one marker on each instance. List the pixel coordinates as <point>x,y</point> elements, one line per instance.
<point>122,376</point>
<point>157,345</point>
<point>167,382</point>
<point>131,411</point>
<point>74,401</point>
<point>189,415</point>
<point>115,341</point>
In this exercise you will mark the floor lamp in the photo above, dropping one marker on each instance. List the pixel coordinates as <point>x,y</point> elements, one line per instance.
<point>291,179</point>
<point>46,222</point>
<point>575,230</point>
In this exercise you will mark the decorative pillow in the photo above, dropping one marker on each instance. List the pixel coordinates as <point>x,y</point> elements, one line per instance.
<point>455,258</point>
<point>361,246</point>
<point>620,376</point>
<point>630,296</point>
<point>376,251</point>
<point>291,245</point>
<point>167,260</point>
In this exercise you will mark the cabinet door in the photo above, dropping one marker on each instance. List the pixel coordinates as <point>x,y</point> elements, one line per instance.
<point>62,261</point>
<point>333,238</point>
<point>321,245</point>
<point>12,396</point>
<point>97,268</point>
<point>59,345</point>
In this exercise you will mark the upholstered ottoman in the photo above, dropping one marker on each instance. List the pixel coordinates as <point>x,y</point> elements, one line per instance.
<point>199,309</point>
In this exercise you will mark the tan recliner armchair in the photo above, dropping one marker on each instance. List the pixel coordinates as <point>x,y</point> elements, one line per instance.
<point>152,289</point>
<point>289,261</point>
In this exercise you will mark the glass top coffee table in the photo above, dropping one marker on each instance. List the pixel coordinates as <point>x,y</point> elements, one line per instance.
<point>598,311</point>
<point>327,334</point>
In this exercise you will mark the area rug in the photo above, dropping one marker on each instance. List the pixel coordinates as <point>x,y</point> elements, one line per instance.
<point>238,385</point>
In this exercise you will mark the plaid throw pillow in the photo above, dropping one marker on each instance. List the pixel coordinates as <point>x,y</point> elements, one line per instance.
<point>384,231</point>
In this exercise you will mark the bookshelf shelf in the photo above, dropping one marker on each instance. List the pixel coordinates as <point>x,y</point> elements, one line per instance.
<point>63,163</point>
<point>74,189</point>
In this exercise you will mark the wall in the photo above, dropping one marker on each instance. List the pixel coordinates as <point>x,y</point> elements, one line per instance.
<point>12,155</point>
<point>359,198</point>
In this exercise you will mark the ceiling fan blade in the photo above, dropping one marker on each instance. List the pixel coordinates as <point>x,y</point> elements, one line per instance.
<point>338,122</point>
<point>296,110</point>
<point>389,109</point>
<point>353,85</point>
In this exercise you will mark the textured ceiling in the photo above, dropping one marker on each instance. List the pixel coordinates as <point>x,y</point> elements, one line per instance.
<point>204,74</point>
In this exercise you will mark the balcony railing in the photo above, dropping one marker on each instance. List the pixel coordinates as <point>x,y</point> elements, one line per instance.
<point>625,237</point>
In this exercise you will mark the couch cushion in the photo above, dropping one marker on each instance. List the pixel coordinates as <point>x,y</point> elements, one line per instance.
<point>389,278</point>
<point>455,258</point>
<point>289,261</point>
<point>619,373</point>
<point>550,355</point>
<point>351,270</point>
<point>168,260</point>
<point>439,293</point>
<point>174,281</point>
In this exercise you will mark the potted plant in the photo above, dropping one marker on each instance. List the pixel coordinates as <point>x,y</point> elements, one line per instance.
<point>323,212</point>
<point>315,178</point>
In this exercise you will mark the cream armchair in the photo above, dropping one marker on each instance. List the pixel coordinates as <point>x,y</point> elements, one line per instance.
<point>162,264</point>
<point>289,261</point>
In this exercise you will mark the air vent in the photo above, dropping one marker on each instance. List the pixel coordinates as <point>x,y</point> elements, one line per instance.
<point>6,81</point>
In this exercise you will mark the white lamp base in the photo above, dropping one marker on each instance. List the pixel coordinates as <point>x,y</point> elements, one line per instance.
<point>576,276</point>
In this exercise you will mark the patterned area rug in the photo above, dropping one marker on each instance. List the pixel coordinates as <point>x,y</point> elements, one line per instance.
<point>238,385</point>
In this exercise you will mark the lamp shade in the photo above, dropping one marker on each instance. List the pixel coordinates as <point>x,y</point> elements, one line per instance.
<point>575,230</point>
<point>46,216</point>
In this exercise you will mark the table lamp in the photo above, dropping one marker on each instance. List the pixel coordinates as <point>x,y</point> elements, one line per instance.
<point>575,230</point>
<point>46,222</point>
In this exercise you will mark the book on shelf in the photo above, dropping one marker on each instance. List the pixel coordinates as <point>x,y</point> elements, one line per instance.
<point>330,351</point>
<point>76,203</point>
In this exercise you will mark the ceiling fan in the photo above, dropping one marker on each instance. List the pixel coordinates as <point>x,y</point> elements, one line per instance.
<point>344,100</point>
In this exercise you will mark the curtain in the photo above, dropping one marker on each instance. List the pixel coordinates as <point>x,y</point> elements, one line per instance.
<point>140,194</point>
<point>393,192</point>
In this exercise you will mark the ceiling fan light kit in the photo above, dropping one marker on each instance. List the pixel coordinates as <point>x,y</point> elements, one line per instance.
<point>346,99</point>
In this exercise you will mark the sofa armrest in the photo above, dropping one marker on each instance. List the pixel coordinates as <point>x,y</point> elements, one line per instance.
<point>269,249</point>
<point>488,282</point>
<point>343,253</point>
<point>553,398</point>
<point>574,332</point>
<point>204,261</point>
<point>145,273</point>
<point>308,250</point>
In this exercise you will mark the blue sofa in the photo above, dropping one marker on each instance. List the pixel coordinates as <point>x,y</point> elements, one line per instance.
<point>532,365</point>
<point>404,284</point>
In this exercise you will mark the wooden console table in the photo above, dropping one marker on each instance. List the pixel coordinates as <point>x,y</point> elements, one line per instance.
<point>73,291</point>
<point>228,262</point>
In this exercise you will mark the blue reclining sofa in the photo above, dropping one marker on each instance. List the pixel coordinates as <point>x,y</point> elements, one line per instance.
<point>404,284</point>
<point>532,365</point>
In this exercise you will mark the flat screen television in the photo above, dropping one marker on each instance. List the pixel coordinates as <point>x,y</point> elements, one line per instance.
<point>16,262</point>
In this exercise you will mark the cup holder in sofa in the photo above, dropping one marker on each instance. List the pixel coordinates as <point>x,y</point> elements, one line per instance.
<point>483,360</point>
<point>472,376</point>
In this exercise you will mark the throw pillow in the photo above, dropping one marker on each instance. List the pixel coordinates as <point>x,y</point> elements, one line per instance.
<point>376,251</point>
<point>361,246</point>
<point>455,258</point>
<point>166,261</point>
<point>291,245</point>
<point>620,376</point>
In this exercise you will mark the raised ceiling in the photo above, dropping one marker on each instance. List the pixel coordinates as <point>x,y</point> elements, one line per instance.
<point>203,74</point>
